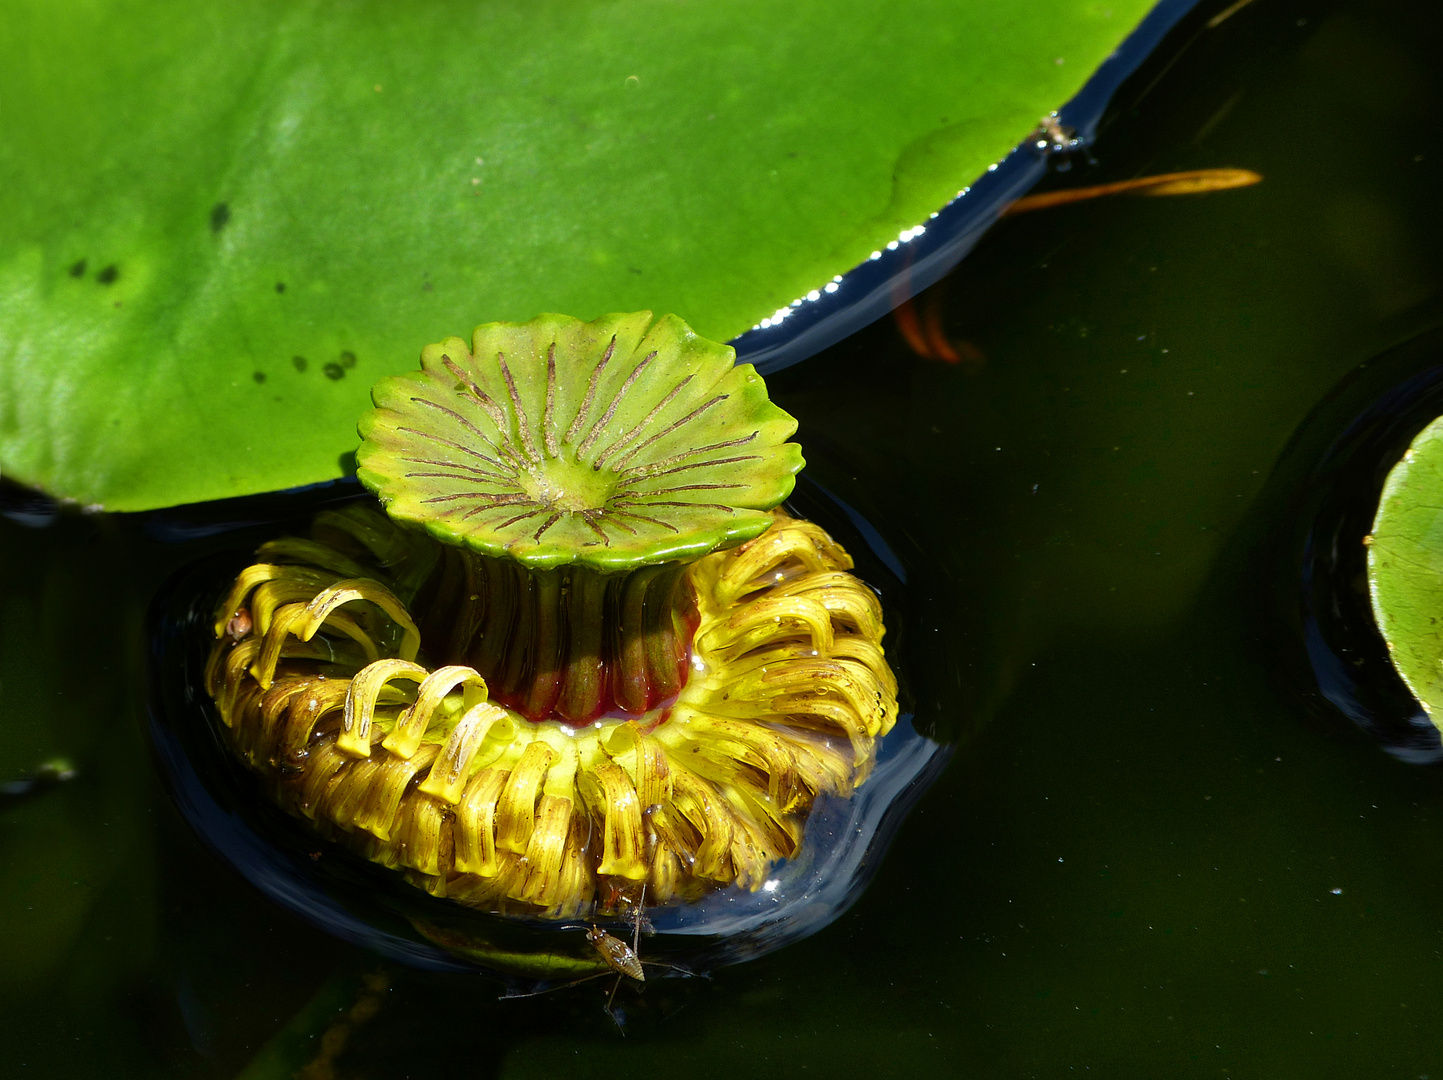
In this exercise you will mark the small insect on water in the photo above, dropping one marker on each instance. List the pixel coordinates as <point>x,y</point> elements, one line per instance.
<point>619,956</point>
<point>623,959</point>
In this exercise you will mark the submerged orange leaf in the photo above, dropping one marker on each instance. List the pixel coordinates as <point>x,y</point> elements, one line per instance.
<point>1192,182</point>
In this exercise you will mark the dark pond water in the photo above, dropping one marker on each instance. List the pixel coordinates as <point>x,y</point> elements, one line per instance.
<point>1158,850</point>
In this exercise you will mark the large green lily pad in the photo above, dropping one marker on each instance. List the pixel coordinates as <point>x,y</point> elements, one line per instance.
<point>1405,568</point>
<point>221,222</point>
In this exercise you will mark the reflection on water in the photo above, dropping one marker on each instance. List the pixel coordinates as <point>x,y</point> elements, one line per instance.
<point>35,783</point>
<point>1152,854</point>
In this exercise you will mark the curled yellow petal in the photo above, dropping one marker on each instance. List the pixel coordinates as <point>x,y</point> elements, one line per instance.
<point>770,691</point>
<point>270,596</point>
<point>869,655</point>
<point>259,573</point>
<point>365,525</point>
<point>275,704</point>
<point>421,830</point>
<point>723,749</point>
<point>325,768</point>
<point>844,646</point>
<point>575,888</point>
<point>844,597</point>
<point>824,764</point>
<point>766,620</point>
<point>407,734</point>
<point>699,803</point>
<point>611,793</point>
<point>828,716</point>
<point>515,814</point>
<point>476,824</point>
<point>491,890</point>
<point>237,662</point>
<point>351,590</point>
<point>546,847</point>
<point>307,709</point>
<point>754,560</point>
<point>351,629</point>
<point>355,736</point>
<point>382,800</point>
<point>765,831</point>
<point>346,794</point>
<point>407,557</point>
<point>274,642</point>
<point>296,549</point>
<point>644,760</point>
<point>546,850</point>
<point>448,775</point>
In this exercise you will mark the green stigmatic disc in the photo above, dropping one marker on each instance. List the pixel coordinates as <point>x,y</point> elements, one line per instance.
<point>611,444</point>
<point>1405,568</point>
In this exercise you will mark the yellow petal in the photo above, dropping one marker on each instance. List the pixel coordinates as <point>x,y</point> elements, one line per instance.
<point>546,850</point>
<point>264,668</point>
<point>274,704</point>
<point>476,824</point>
<point>716,747</point>
<point>700,804</point>
<point>644,760</point>
<point>351,590</point>
<point>750,566</point>
<point>346,794</point>
<point>611,793</point>
<point>237,662</point>
<point>296,549</point>
<point>355,736</point>
<point>407,734</point>
<point>516,809</point>
<point>323,696</point>
<point>256,575</point>
<point>382,801</point>
<point>766,620</point>
<point>407,557</point>
<point>846,598</point>
<point>575,888</point>
<point>325,768</point>
<point>448,775</point>
<point>421,829</point>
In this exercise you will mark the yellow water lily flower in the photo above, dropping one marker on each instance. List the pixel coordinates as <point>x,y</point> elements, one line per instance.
<point>328,693</point>
<point>579,658</point>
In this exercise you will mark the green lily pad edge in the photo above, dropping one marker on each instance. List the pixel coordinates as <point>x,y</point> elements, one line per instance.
<point>1405,568</point>
<point>614,444</point>
<point>289,199</point>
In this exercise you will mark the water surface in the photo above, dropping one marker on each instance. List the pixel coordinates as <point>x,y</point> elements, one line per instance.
<point>1156,852</point>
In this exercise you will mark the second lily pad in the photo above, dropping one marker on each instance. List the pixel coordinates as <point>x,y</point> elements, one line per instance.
<point>1405,568</point>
